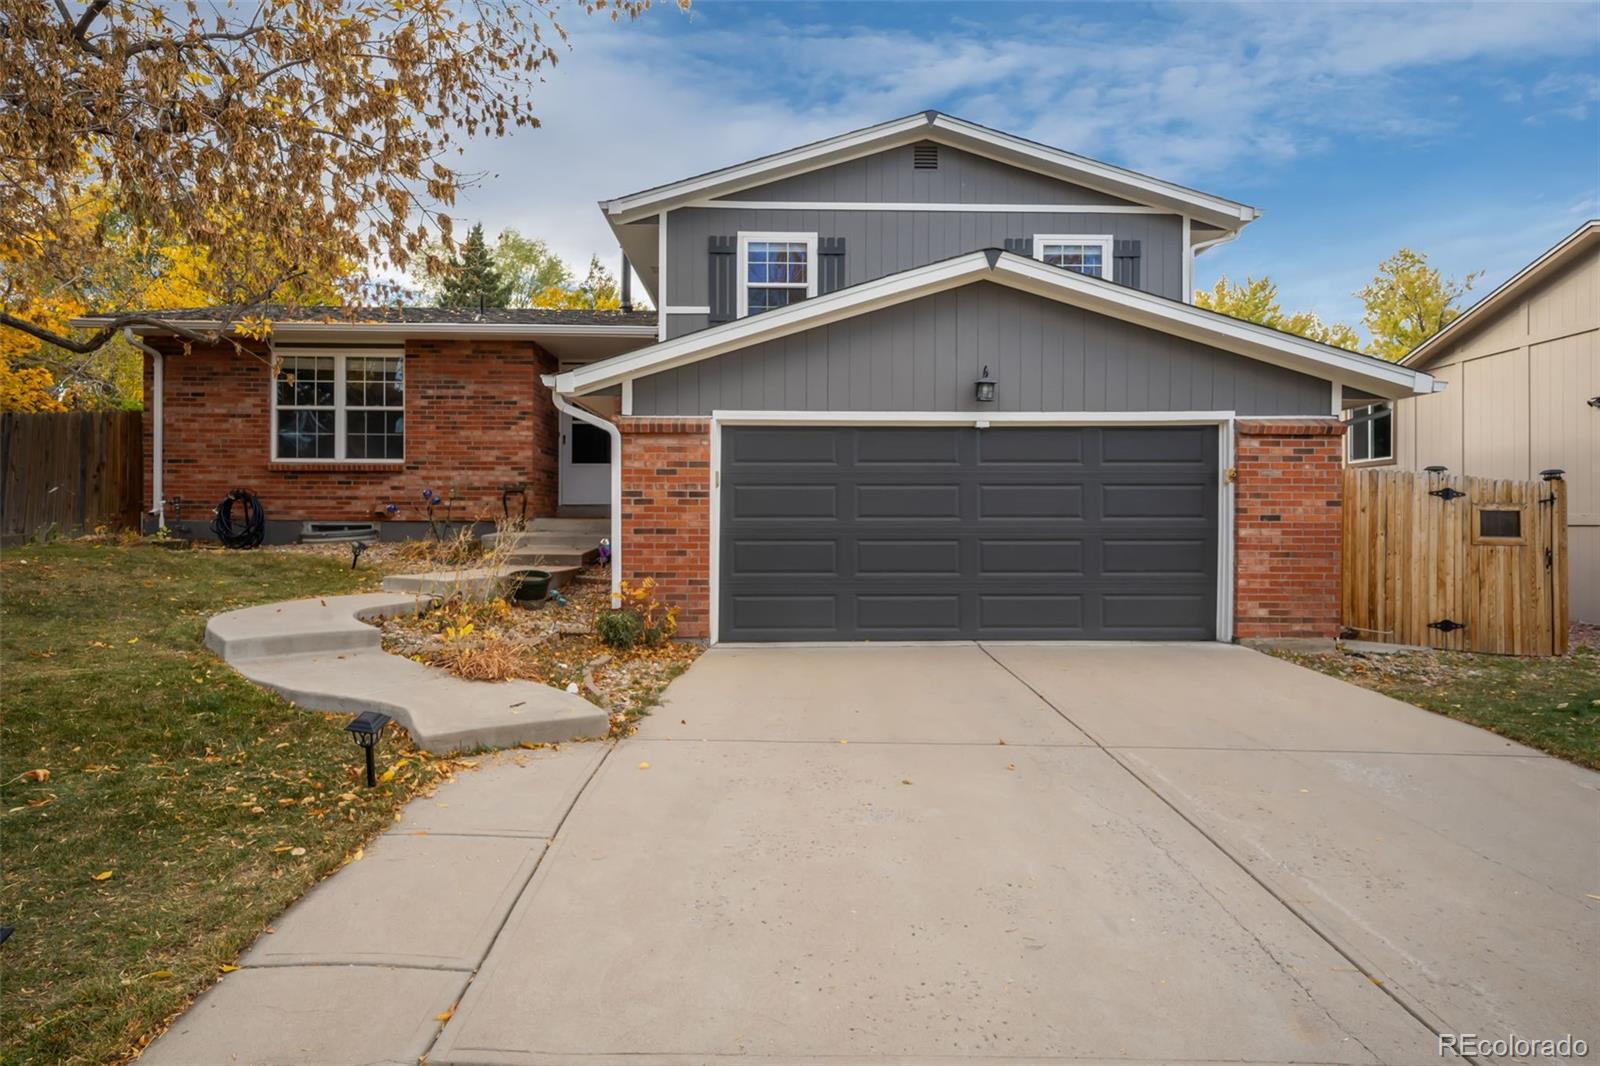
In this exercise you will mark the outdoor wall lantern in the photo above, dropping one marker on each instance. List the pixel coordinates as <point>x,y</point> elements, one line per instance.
<point>365,727</point>
<point>984,387</point>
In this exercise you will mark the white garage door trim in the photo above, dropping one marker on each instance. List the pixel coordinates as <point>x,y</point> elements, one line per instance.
<point>1223,420</point>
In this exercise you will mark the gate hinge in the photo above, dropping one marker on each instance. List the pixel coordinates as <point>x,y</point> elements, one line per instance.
<point>1447,493</point>
<point>1447,625</point>
<point>1547,501</point>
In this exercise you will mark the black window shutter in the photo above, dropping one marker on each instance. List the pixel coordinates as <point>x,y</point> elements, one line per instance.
<point>1125,264</point>
<point>723,290</point>
<point>1020,245</point>
<point>831,251</point>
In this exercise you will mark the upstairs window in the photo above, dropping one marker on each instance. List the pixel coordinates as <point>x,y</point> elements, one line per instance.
<point>334,407</point>
<point>1084,254</point>
<point>775,270</point>
<point>1371,434</point>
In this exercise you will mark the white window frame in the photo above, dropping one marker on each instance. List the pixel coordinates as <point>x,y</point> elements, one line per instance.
<point>1104,240</point>
<point>812,265</point>
<point>339,357</point>
<point>1353,427</point>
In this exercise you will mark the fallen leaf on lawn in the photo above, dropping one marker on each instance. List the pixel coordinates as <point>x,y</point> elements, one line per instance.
<point>1592,896</point>
<point>358,855</point>
<point>445,1016</point>
<point>905,780</point>
<point>103,875</point>
<point>40,774</point>
<point>297,852</point>
<point>1011,766</point>
<point>227,967</point>
<point>133,640</point>
<point>280,849</point>
<point>644,766</point>
<point>387,776</point>
<point>843,741</point>
<point>159,975</point>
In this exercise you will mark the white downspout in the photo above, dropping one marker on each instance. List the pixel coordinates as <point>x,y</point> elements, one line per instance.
<point>157,451</point>
<point>616,477</point>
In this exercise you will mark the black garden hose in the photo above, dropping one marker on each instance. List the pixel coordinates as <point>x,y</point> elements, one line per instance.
<point>254,529</point>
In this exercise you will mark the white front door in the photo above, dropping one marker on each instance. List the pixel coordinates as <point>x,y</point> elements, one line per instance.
<point>585,463</point>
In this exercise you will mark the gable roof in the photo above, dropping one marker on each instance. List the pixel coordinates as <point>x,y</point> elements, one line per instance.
<point>1586,236</point>
<point>944,129</point>
<point>1377,376</point>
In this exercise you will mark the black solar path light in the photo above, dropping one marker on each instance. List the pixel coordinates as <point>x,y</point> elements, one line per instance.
<point>365,727</point>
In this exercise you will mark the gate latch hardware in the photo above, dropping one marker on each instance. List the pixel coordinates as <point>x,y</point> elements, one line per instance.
<point>1549,559</point>
<point>1447,625</point>
<point>1447,493</point>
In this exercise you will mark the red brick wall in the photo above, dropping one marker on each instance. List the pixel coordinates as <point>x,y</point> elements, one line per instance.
<point>666,513</point>
<point>477,418</point>
<point>1287,527</point>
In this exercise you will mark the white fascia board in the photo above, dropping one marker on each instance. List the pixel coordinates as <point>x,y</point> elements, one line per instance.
<point>769,325</point>
<point>1389,380</point>
<point>331,331</point>
<point>1104,176</point>
<point>768,168</point>
<point>943,129</point>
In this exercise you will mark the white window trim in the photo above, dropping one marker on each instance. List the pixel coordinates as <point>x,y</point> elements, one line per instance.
<point>339,356</point>
<point>1104,240</point>
<point>812,265</point>
<point>1352,428</point>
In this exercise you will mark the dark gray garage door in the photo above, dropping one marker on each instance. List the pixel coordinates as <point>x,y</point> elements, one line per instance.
<point>956,533</point>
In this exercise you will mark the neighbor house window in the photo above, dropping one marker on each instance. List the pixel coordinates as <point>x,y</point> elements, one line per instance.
<point>339,406</point>
<point>1371,433</point>
<point>775,270</point>
<point>1084,254</point>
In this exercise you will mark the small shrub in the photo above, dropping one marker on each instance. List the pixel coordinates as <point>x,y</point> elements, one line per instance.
<point>657,621</point>
<point>620,629</point>
<point>488,658</point>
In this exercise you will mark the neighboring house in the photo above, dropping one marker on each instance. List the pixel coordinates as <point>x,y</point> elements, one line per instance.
<point>1523,369</point>
<point>924,380</point>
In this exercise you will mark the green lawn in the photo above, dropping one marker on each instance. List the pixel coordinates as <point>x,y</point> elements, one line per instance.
<point>195,791</point>
<point>1550,704</point>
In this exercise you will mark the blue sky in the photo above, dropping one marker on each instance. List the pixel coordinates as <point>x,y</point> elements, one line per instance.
<point>1469,132</point>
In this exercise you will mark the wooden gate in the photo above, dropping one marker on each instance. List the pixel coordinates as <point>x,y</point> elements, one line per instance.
<point>69,472</point>
<point>1457,563</point>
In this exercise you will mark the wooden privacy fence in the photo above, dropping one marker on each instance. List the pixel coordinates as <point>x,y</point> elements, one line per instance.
<point>69,472</point>
<point>1457,563</point>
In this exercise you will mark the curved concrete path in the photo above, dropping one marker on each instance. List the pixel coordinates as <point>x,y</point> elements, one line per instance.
<point>321,655</point>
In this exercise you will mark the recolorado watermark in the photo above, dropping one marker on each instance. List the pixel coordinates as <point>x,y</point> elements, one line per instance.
<point>1513,1046</point>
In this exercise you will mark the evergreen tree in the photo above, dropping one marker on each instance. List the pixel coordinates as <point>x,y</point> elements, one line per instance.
<point>474,281</point>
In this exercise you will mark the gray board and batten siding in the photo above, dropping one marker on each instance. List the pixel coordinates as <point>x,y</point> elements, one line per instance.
<point>925,355</point>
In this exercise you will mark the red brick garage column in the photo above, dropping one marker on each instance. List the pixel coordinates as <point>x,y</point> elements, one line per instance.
<point>666,513</point>
<point>1287,527</point>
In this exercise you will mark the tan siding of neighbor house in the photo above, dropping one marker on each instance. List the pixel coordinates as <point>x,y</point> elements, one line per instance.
<point>1517,403</point>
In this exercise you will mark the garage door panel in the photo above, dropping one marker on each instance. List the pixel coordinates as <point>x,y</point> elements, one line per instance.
<point>1032,447</point>
<point>908,501</point>
<point>762,558</point>
<point>938,447</point>
<point>1030,501</point>
<point>900,557</point>
<point>786,616</point>
<point>1120,500</point>
<point>1034,612</point>
<point>1000,544</point>
<point>1156,557</point>
<point>1167,446</point>
<point>780,446</point>
<point>1053,557</point>
<point>769,502</point>
<point>905,614</point>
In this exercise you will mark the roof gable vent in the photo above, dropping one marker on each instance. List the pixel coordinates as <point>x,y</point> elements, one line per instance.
<point>925,156</point>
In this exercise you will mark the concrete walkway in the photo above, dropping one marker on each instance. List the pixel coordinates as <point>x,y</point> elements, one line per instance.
<point>961,854</point>
<point>321,655</point>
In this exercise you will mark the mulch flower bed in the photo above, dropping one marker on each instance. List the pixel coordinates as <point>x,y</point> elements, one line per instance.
<point>555,645</point>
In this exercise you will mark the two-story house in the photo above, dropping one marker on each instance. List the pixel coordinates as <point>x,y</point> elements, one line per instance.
<point>920,381</point>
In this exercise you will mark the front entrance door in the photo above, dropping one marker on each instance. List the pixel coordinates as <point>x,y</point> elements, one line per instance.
<point>585,463</point>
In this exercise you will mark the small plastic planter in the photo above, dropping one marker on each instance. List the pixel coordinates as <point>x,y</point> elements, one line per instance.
<point>531,587</point>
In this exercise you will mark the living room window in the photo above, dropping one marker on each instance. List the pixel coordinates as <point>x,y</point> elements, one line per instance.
<point>1085,254</point>
<point>339,406</point>
<point>775,270</point>
<point>1371,434</point>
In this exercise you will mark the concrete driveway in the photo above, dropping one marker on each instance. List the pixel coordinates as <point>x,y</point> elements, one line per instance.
<point>996,854</point>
